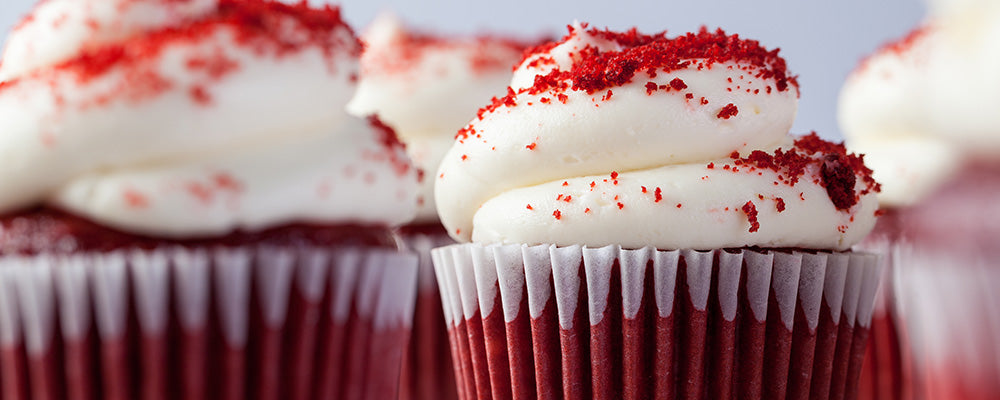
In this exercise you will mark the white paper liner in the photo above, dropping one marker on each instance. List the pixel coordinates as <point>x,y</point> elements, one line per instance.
<point>733,288</point>
<point>150,303</point>
<point>428,372</point>
<point>938,331</point>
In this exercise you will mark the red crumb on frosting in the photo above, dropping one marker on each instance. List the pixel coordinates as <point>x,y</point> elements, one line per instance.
<point>565,183</point>
<point>900,46</point>
<point>678,84</point>
<point>135,199</point>
<point>880,212</point>
<point>678,205</point>
<point>620,206</point>
<point>643,189</point>
<point>779,204</point>
<point>751,211</point>
<point>484,53</point>
<point>838,170</point>
<point>658,195</point>
<point>728,111</point>
<point>650,87</point>
<point>557,214</point>
<point>531,146</point>
<point>395,148</point>
<point>596,71</point>
<point>587,210</point>
<point>260,25</point>
<point>614,175</point>
<point>529,207</point>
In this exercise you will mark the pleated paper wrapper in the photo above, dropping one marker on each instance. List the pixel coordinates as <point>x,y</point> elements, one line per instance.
<point>936,330</point>
<point>428,359</point>
<point>205,323</point>
<point>551,322</point>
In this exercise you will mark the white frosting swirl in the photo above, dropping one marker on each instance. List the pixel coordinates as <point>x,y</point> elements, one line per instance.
<point>195,122</point>
<point>427,88</point>
<point>924,105</point>
<point>629,163</point>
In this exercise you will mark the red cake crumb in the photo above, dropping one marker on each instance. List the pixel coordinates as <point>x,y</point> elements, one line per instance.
<point>135,199</point>
<point>531,146</point>
<point>839,170</point>
<point>529,207</point>
<point>620,206</point>
<point>650,87</point>
<point>557,214</point>
<point>779,204</point>
<point>614,175</point>
<point>678,84</point>
<point>392,145</point>
<point>658,194</point>
<point>728,111</point>
<point>751,211</point>
<point>411,46</point>
<point>256,24</point>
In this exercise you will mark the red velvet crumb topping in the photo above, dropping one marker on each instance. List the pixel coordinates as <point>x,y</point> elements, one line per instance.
<point>751,211</point>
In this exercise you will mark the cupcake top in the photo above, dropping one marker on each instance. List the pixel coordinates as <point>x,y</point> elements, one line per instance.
<point>923,106</point>
<point>193,118</point>
<point>643,140</point>
<point>426,87</point>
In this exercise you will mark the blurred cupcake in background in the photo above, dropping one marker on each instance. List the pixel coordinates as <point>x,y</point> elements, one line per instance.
<point>427,86</point>
<point>637,223</point>
<point>924,110</point>
<point>188,211</point>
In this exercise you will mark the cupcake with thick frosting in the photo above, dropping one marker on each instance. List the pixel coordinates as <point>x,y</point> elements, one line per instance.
<point>426,86</point>
<point>924,110</point>
<point>607,138</point>
<point>197,144</point>
<point>648,185</point>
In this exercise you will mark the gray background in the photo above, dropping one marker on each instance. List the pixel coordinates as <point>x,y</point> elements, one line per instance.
<point>822,40</point>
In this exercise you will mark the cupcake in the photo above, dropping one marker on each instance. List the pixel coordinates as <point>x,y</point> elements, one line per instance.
<point>427,87</point>
<point>923,109</point>
<point>637,223</point>
<point>187,210</point>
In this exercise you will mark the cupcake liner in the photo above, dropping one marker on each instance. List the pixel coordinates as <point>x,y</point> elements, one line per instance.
<point>937,334</point>
<point>427,360</point>
<point>607,323</point>
<point>205,323</point>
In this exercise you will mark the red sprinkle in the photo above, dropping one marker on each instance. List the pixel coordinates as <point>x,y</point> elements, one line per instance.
<point>751,211</point>
<point>728,111</point>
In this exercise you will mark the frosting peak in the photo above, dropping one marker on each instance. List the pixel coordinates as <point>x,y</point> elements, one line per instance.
<point>638,140</point>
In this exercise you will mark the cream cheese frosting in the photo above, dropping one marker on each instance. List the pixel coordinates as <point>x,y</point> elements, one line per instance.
<point>194,118</point>
<point>924,105</point>
<point>643,140</point>
<point>426,87</point>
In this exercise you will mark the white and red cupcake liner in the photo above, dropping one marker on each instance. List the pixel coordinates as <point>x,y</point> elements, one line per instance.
<point>937,331</point>
<point>428,372</point>
<point>205,323</point>
<point>607,323</point>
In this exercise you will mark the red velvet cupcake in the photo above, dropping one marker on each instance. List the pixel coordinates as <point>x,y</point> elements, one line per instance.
<point>642,226</point>
<point>187,211</point>
<point>426,87</point>
<point>924,110</point>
